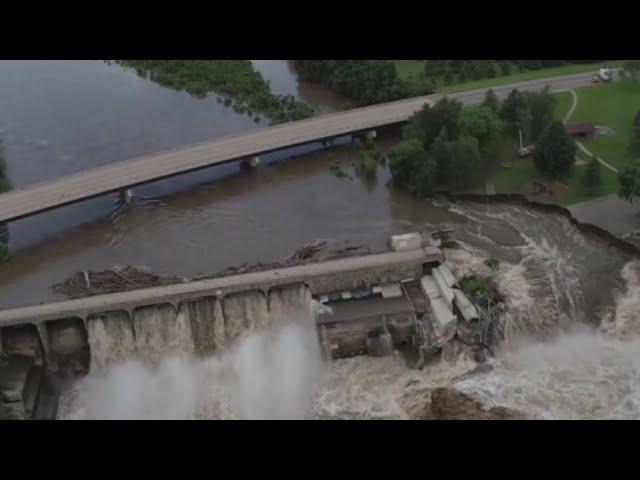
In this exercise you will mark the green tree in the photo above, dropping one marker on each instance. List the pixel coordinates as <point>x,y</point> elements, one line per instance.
<point>541,106</point>
<point>629,178</point>
<point>237,80</point>
<point>592,178</point>
<point>440,120</point>
<point>514,112</point>
<point>412,167</point>
<point>457,161</point>
<point>636,120</point>
<point>555,152</point>
<point>491,101</point>
<point>634,146</point>
<point>484,124</point>
<point>632,68</point>
<point>365,81</point>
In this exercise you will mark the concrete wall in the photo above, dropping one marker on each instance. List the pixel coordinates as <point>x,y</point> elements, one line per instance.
<point>201,317</point>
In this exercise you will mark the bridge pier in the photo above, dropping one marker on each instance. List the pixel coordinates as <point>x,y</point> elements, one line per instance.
<point>126,195</point>
<point>44,341</point>
<point>367,136</point>
<point>252,162</point>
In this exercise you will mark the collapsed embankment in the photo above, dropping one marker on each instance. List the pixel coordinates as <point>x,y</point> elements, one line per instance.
<point>517,199</point>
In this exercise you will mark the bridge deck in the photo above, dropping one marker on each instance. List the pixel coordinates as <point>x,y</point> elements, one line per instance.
<point>55,193</point>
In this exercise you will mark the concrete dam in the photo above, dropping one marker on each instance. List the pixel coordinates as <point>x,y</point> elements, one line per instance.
<point>45,347</point>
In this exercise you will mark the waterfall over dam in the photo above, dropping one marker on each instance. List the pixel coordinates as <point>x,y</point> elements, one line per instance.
<point>72,339</point>
<point>202,327</point>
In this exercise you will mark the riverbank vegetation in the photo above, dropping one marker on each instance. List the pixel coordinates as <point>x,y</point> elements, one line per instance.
<point>245,88</point>
<point>366,82</point>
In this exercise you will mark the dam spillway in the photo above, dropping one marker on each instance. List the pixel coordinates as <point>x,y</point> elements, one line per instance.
<point>197,318</point>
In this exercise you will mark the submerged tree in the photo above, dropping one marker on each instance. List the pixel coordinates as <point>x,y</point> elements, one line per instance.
<point>412,167</point>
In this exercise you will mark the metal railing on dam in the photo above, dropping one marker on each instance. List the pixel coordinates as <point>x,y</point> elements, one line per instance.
<point>122,175</point>
<point>321,278</point>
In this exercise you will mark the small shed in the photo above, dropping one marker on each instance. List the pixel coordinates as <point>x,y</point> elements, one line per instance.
<point>580,129</point>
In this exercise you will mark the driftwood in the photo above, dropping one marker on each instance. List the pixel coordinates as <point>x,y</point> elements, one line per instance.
<point>114,280</point>
<point>87,283</point>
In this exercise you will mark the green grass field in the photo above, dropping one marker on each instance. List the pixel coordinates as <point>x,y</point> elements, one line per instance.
<point>409,68</point>
<point>564,100</point>
<point>613,105</point>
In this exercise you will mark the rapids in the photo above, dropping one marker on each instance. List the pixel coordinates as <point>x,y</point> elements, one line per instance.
<point>570,347</point>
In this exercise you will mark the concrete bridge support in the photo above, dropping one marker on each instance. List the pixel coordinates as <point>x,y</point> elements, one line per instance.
<point>368,136</point>
<point>44,342</point>
<point>252,162</point>
<point>126,195</point>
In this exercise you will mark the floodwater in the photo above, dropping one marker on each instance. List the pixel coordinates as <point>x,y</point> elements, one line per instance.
<point>60,117</point>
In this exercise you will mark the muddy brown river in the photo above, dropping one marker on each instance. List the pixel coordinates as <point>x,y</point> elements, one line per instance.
<point>61,117</point>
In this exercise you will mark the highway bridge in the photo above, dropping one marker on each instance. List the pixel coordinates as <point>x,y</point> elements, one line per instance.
<point>121,176</point>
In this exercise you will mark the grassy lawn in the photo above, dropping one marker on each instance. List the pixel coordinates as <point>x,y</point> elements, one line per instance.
<point>564,100</point>
<point>612,105</point>
<point>409,68</point>
<point>511,180</point>
<point>577,193</point>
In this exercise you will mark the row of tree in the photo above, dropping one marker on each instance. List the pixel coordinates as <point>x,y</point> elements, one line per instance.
<point>447,145</point>
<point>246,89</point>
<point>450,71</point>
<point>367,82</point>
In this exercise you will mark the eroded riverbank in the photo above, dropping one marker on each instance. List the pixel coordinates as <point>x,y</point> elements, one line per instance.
<point>569,343</point>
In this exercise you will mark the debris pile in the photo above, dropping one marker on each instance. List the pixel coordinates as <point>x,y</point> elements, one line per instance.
<point>116,279</point>
<point>121,279</point>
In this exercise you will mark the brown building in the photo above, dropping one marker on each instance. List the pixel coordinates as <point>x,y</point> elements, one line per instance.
<point>580,129</point>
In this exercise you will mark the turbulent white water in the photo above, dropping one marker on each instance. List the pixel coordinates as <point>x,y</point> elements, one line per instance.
<point>571,346</point>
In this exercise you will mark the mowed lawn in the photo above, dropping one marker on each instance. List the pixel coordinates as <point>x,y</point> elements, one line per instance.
<point>564,101</point>
<point>409,68</point>
<point>613,105</point>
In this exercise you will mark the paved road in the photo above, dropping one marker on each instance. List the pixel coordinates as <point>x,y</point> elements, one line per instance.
<point>121,175</point>
<point>610,213</point>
